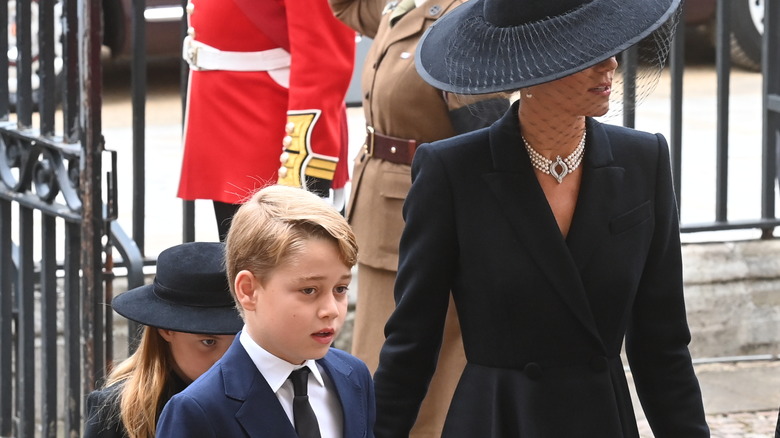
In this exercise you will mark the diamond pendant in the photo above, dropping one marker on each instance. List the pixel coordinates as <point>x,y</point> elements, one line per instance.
<point>558,163</point>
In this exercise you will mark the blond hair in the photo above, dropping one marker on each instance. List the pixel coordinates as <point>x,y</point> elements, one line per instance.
<point>274,225</point>
<point>144,379</point>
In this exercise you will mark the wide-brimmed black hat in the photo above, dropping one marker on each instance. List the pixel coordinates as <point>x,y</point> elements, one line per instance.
<point>190,293</point>
<point>487,46</point>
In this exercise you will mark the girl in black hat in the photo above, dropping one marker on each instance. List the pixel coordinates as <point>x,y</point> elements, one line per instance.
<point>190,320</point>
<point>557,235</point>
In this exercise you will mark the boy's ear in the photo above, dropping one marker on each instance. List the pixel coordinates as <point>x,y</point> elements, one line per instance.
<point>245,285</point>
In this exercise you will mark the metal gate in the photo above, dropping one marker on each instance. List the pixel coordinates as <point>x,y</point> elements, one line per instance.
<point>57,204</point>
<point>770,53</point>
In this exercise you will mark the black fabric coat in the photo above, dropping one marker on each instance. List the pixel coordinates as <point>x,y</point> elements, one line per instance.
<point>103,419</point>
<point>543,318</point>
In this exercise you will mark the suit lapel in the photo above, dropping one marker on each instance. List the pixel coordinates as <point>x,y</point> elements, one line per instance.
<point>523,202</point>
<point>349,393</point>
<point>601,185</point>
<point>261,414</point>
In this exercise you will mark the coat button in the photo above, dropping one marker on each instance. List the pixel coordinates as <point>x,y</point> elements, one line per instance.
<point>598,364</point>
<point>434,10</point>
<point>533,371</point>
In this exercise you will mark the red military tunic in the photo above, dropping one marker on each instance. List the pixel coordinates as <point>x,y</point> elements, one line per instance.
<point>235,121</point>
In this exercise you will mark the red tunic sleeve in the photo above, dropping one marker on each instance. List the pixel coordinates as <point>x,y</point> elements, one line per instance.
<point>323,53</point>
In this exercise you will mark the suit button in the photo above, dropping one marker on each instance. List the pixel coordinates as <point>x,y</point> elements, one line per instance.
<point>533,371</point>
<point>598,364</point>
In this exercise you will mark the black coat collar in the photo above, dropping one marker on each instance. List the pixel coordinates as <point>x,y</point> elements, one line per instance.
<point>514,182</point>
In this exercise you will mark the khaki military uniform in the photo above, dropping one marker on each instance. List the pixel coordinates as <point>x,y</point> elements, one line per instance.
<point>397,103</point>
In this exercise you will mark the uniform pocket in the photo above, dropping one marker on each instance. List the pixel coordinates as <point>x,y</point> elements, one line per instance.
<point>396,185</point>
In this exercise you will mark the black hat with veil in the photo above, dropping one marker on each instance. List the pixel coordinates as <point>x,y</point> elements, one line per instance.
<point>489,46</point>
<point>560,53</point>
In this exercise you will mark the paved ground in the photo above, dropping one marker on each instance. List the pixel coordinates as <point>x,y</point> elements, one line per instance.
<point>741,399</point>
<point>742,425</point>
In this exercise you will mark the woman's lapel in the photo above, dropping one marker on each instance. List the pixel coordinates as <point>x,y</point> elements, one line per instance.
<point>602,184</point>
<point>522,201</point>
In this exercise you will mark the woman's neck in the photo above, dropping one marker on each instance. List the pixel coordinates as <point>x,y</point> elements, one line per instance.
<point>551,134</point>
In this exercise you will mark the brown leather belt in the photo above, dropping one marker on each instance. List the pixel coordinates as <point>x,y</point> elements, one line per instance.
<point>392,149</point>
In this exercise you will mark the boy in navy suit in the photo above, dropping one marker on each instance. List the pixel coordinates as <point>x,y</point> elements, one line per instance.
<point>289,257</point>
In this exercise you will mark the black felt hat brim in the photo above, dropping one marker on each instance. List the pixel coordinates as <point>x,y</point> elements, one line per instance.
<point>464,53</point>
<point>190,293</point>
<point>142,305</point>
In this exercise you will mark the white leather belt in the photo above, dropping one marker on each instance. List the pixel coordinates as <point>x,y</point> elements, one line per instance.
<point>204,57</point>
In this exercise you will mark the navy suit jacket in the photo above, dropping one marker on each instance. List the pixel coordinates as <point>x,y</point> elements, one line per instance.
<point>233,399</point>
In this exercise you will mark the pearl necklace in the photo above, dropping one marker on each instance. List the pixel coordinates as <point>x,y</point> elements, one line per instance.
<point>560,167</point>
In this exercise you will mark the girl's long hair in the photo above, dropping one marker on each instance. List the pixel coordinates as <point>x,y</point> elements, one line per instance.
<point>144,378</point>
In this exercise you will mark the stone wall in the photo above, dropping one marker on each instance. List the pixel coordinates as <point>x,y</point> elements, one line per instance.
<point>733,297</point>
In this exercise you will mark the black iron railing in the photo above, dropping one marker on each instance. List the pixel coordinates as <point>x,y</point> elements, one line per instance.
<point>57,217</point>
<point>721,221</point>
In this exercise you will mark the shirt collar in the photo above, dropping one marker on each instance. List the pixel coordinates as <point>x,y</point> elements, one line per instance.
<point>275,370</point>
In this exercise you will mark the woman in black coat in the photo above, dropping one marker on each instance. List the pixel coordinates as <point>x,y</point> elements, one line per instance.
<point>557,235</point>
<point>190,321</point>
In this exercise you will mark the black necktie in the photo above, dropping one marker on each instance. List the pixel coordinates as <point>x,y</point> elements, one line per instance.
<point>303,415</point>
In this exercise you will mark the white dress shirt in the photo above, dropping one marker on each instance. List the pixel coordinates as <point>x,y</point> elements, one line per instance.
<point>322,392</point>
